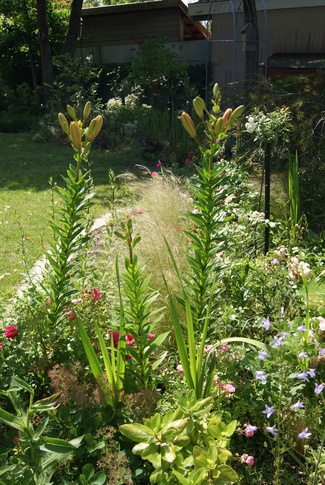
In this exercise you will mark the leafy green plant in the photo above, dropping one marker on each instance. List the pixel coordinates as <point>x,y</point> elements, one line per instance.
<point>140,320</point>
<point>35,455</point>
<point>69,225</point>
<point>187,446</point>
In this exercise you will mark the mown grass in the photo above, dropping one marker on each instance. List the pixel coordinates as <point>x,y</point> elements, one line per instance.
<point>26,198</point>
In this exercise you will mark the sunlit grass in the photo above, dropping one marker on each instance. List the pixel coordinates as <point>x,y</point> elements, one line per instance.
<point>26,200</point>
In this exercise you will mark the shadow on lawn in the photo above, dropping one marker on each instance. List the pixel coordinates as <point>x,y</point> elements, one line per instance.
<point>28,165</point>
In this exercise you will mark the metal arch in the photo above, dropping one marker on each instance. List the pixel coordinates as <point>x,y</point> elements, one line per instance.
<point>235,15</point>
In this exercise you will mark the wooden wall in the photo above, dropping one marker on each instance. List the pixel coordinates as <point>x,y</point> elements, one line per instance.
<point>130,28</point>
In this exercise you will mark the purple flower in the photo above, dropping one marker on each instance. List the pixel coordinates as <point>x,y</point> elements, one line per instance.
<point>272,430</point>
<point>311,373</point>
<point>303,376</point>
<point>262,355</point>
<point>275,261</point>
<point>304,435</point>
<point>302,328</point>
<point>302,355</point>
<point>319,388</point>
<point>276,342</point>
<point>259,376</point>
<point>269,410</point>
<point>298,405</point>
<point>266,323</point>
<point>321,352</point>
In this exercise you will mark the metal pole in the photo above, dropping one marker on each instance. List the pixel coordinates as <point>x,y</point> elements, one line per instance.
<point>267,162</point>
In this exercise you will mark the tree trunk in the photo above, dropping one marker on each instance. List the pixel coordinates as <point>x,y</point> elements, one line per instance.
<point>74,28</point>
<point>43,34</point>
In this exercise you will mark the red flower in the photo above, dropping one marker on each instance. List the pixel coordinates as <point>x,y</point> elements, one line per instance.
<point>72,316</point>
<point>129,339</point>
<point>11,331</point>
<point>96,294</point>
<point>128,357</point>
<point>150,336</point>
<point>1,345</point>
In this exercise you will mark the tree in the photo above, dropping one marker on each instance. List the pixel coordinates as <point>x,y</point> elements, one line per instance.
<point>46,56</point>
<point>74,28</point>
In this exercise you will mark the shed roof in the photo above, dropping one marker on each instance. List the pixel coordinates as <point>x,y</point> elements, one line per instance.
<point>193,30</point>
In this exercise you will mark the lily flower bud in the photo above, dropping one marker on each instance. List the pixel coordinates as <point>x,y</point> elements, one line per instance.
<point>238,112</point>
<point>87,110</point>
<point>227,115</point>
<point>71,112</point>
<point>64,123</point>
<point>75,135</point>
<point>94,128</point>
<point>188,125</point>
<point>199,106</point>
<point>219,126</point>
<point>216,90</point>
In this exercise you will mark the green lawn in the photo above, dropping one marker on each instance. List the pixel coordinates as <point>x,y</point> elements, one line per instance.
<point>25,196</point>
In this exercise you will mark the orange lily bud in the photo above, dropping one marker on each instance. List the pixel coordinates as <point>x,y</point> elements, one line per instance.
<point>227,115</point>
<point>188,125</point>
<point>75,135</point>
<point>94,128</point>
<point>64,123</point>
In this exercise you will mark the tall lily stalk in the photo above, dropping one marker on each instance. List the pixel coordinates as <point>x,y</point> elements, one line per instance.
<point>69,223</point>
<point>198,297</point>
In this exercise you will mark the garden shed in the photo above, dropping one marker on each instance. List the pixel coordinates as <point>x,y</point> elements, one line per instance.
<point>112,34</point>
<point>287,30</point>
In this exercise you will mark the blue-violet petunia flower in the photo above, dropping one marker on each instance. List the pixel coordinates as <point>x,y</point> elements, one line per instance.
<point>266,323</point>
<point>319,388</point>
<point>259,376</point>
<point>298,405</point>
<point>304,434</point>
<point>272,430</point>
<point>269,410</point>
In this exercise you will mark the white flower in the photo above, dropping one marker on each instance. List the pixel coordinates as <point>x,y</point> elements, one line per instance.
<point>250,125</point>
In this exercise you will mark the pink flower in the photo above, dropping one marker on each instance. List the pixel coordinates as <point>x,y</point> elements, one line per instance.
<point>195,170</point>
<point>190,154</point>
<point>128,215</point>
<point>250,461</point>
<point>187,160</point>
<point>250,430</point>
<point>215,380</point>
<point>158,165</point>
<point>220,254</point>
<point>11,331</point>
<point>128,357</point>
<point>139,211</point>
<point>150,336</point>
<point>47,303</point>
<point>224,348</point>
<point>95,294</point>
<point>244,457</point>
<point>154,174</point>
<point>129,339</point>
<point>180,370</point>
<point>1,345</point>
<point>116,336</point>
<point>229,388</point>
<point>321,324</point>
<point>72,316</point>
